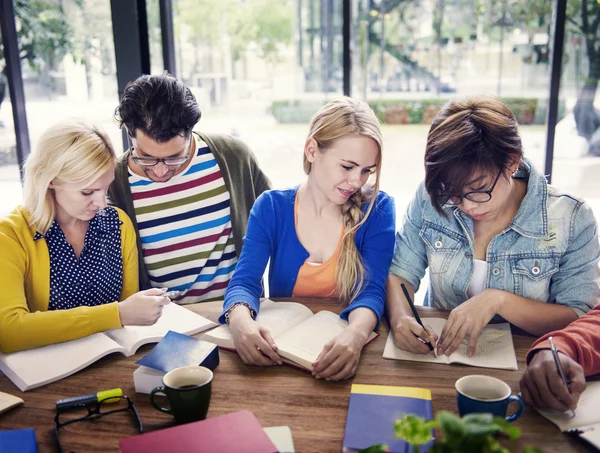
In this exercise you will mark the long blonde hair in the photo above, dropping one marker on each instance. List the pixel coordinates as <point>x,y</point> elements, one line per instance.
<point>337,119</point>
<point>71,152</point>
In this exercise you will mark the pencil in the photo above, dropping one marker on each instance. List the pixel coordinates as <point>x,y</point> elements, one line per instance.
<point>415,314</point>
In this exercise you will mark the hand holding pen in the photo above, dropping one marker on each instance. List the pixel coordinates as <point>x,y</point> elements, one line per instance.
<point>559,368</point>
<point>553,380</point>
<point>410,334</point>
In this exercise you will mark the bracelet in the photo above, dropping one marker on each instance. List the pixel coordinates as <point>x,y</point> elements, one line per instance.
<point>245,304</point>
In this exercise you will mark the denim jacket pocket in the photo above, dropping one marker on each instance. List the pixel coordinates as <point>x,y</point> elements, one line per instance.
<point>442,246</point>
<point>532,276</point>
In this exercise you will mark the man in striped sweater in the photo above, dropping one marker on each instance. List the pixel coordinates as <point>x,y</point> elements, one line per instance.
<point>188,194</point>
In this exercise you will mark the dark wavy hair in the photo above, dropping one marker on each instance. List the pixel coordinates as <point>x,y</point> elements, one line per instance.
<point>161,106</point>
<point>470,134</point>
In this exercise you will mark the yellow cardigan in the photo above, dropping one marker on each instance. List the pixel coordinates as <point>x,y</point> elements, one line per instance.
<point>25,321</point>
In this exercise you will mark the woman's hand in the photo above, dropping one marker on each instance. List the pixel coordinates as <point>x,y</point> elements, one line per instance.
<point>339,358</point>
<point>405,332</point>
<point>468,319</point>
<point>253,342</point>
<point>143,308</point>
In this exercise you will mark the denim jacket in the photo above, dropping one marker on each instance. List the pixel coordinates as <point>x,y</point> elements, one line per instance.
<point>548,253</point>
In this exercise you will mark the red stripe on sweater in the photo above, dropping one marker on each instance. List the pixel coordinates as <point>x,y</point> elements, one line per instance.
<point>178,187</point>
<point>202,292</point>
<point>187,244</point>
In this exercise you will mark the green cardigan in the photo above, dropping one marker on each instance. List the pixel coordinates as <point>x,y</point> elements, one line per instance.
<point>243,178</point>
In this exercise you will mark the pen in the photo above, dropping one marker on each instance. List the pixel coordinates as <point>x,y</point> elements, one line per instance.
<point>172,294</point>
<point>559,368</point>
<point>415,314</point>
<point>74,401</point>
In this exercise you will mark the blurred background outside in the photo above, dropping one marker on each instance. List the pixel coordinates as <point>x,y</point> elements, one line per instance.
<point>260,68</point>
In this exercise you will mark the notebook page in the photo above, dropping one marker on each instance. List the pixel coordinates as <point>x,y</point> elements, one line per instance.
<point>304,343</point>
<point>391,351</point>
<point>586,414</point>
<point>592,435</point>
<point>495,349</point>
<point>278,317</point>
<point>36,367</point>
<point>174,317</point>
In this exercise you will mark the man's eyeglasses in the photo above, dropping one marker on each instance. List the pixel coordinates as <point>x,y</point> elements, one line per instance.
<point>94,411</point>
<point>476,196</point>
<point>169,161</point>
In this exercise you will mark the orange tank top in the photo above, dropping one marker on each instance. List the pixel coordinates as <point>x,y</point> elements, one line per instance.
<point>317,279</point>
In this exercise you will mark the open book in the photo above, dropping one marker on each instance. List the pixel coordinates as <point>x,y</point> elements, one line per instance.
<point>299,334</point>
<point>40,366</point>
<point>495,348</point>
<point>586,422</point>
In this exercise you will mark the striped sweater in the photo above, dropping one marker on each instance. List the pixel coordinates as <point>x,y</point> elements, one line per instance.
<point>241,174</point>
<point>185,229</point>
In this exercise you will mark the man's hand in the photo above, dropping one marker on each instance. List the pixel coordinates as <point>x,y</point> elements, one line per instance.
<point>541,385</point>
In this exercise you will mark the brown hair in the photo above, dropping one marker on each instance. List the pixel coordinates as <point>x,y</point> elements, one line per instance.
<point>337,119</point>
<point>470,134</point>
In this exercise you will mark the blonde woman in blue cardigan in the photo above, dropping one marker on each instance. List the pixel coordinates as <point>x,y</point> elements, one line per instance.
<point>332,236</point>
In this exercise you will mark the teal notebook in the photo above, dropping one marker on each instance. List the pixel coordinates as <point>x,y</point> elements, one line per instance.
<point>374,409</point>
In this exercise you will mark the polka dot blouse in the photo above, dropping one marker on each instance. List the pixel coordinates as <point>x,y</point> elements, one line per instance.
<point>95,278</point>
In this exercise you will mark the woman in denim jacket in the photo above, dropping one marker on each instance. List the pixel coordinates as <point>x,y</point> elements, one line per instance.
<point>498,240</point>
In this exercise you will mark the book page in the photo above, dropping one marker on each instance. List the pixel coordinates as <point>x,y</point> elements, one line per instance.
<point>281,436</point>
<point>391,351</point>
<point>174,317</point>
<point>303,343</point>
<point>36,367</point>
<point>278,317</point>
<point>495,349</point>
<point>586,414</point>
<point>592,435</point>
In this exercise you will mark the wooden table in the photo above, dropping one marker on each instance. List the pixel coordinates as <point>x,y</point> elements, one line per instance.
<point>314,409</point>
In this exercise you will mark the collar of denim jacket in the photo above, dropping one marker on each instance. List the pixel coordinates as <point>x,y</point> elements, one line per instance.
<point>532,216</point>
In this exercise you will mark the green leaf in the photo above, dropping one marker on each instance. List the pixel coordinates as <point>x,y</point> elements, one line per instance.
<point>377,448</point>
<point>414,430</point>
<point>453,429</point>
<point>532,449</point>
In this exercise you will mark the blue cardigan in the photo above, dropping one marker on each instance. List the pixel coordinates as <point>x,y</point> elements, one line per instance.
<point>271,233</point>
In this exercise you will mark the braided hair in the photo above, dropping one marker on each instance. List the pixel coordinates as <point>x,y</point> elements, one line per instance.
<point>341,118</point>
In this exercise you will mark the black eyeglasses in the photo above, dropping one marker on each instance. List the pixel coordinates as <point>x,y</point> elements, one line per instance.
<point>476,196</point>
<point>169,161</point>
<point>94,411</point>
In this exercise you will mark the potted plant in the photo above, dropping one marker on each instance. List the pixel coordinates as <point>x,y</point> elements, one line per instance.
<point>473,433</point>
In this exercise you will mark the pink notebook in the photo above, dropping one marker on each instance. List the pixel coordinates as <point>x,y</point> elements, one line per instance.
<point>239,432</point>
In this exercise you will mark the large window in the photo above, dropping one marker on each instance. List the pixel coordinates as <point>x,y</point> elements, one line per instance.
<point>260,69</point>
<point>410,57</point>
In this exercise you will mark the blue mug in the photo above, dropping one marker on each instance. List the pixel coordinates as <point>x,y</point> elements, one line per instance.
<point>486,394</point>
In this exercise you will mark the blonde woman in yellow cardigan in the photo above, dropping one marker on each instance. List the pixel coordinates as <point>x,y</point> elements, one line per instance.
<point>68,263</point>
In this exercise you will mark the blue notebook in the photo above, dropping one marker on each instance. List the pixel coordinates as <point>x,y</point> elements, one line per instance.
<point>176,350</point>
<point>18,441</point>
<point>373,410</point>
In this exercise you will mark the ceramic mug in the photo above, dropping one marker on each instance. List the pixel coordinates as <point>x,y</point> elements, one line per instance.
<point>486,394</point>
<point>188,390</point>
